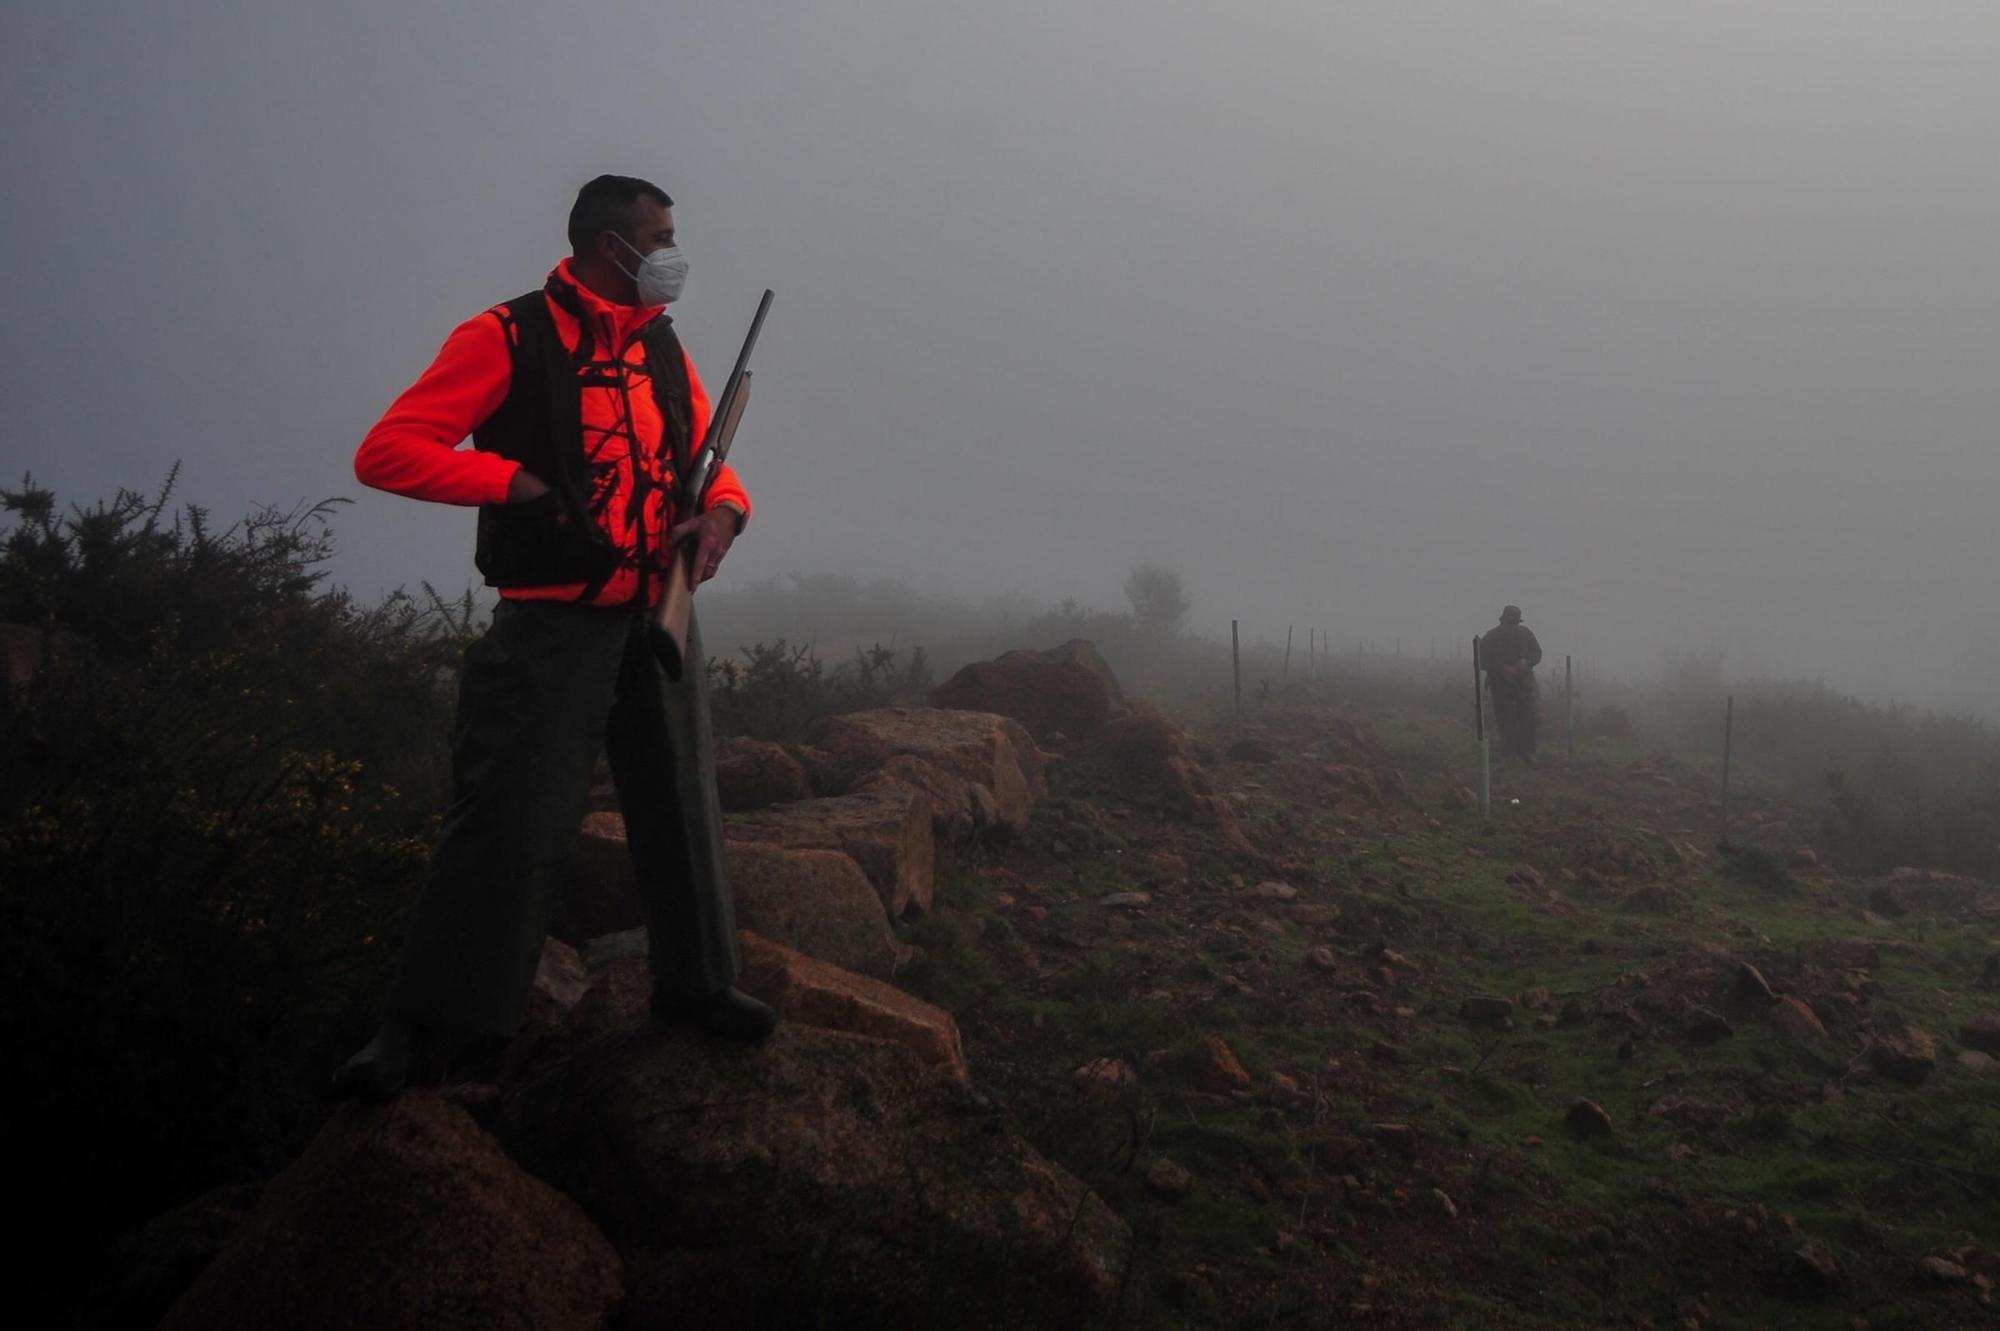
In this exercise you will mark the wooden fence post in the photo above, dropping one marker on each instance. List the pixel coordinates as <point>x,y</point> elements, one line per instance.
<point>1728,739</point>
<point>1569,711</point>
<point>1485,749</point>
<point>1236,668</point>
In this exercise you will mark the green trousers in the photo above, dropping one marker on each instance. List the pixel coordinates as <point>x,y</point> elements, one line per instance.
<point>544,690</point>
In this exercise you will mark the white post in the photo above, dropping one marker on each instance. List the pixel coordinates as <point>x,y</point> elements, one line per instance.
<point>1486,778</point>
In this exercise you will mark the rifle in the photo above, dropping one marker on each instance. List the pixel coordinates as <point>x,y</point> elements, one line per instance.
<point>669,630</point>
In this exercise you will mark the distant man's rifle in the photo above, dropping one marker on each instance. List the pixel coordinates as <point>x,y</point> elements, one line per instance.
<point>670,619</point>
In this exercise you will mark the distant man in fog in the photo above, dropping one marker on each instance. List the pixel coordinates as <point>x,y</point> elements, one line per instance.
<point>1509,654</point>
<point>583,410</point>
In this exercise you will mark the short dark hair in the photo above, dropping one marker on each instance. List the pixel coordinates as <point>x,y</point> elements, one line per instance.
<point>605,204</point>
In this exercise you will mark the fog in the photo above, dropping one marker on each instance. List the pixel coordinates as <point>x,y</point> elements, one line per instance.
<point>1673,324</point>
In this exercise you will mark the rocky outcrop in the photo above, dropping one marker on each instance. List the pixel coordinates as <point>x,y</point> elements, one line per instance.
<point>1907,1056</point>
<point>1046,693</point>
<point>808,991</point>
<point>961,810</point>
<point>407,1216</point>
<point>887,832</point>
<point>982,773</point>
<point>817,1179</point>
<point>804,895</point>
<point>1982,1033</point>
<point>1793,1019</point>
<point>816,901</point>
<point>1150,754</point>
<point>1083,652</point>
<point>898,779</point>
<point>803,990</point>
<point>752,774</point>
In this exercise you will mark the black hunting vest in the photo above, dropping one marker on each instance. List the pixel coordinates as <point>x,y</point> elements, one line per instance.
<point>557,539</point>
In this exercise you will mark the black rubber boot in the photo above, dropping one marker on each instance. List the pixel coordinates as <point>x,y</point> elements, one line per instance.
<point>727,1014</point>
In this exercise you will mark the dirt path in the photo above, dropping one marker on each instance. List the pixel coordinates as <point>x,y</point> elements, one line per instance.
<point>1403,1069</point>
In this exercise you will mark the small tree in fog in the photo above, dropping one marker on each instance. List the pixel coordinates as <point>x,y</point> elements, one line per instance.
<point>1159,599</point>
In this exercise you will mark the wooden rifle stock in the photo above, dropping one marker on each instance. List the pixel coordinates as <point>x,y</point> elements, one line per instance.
<point>669,630</point>
<point>670,617</point>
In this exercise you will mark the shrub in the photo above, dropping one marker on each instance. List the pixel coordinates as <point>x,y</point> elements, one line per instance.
<point>212,811</point>
<point>1159,599</point>
<point>1756,867</point>
<point>777,690</point>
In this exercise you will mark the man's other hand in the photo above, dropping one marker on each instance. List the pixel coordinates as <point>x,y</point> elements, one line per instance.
<point>711,534</point>
<point>526,487</point>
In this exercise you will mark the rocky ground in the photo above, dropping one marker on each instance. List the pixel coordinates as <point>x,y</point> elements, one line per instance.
<point>1098,1018</point>
<point>1343,1052</point>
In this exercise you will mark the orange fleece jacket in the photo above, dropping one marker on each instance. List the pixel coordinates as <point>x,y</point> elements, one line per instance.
<point>415,448</point>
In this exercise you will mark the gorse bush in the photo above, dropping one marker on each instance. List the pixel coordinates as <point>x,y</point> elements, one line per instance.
<point>1756,867</point>
<point>215,802</point>
<point>776,690</point>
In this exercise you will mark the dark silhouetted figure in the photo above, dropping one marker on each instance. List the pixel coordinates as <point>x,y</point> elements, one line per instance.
<point>1509,654</point>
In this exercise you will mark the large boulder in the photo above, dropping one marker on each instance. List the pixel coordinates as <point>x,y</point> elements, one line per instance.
<point>814,993</point>
<point>1152,758</point>
<point>1151,755</point>
<point>817,1179</point>
<point>961,810</point>
<point>817,901</point>
<point>802,989</point>
<point>981,772</point>
<point>888,833</point>
<point>1044,695</point>
<point>1793,1019</point>
<point>1083,652</point>
<point>407,1216</point>
<point>753,774</point>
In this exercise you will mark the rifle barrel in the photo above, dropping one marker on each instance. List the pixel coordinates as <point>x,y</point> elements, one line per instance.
<point>732,385</point>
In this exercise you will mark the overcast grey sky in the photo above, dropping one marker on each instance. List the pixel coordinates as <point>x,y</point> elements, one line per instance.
<point>1674,323</point>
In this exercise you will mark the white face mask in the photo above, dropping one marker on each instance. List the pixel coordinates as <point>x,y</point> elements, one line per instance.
<point>661,276</point>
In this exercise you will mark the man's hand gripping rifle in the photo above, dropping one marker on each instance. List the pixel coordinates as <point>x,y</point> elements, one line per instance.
<point>669,632</point>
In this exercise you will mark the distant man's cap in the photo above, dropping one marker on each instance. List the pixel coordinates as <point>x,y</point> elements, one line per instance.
<point>1511,615</point>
